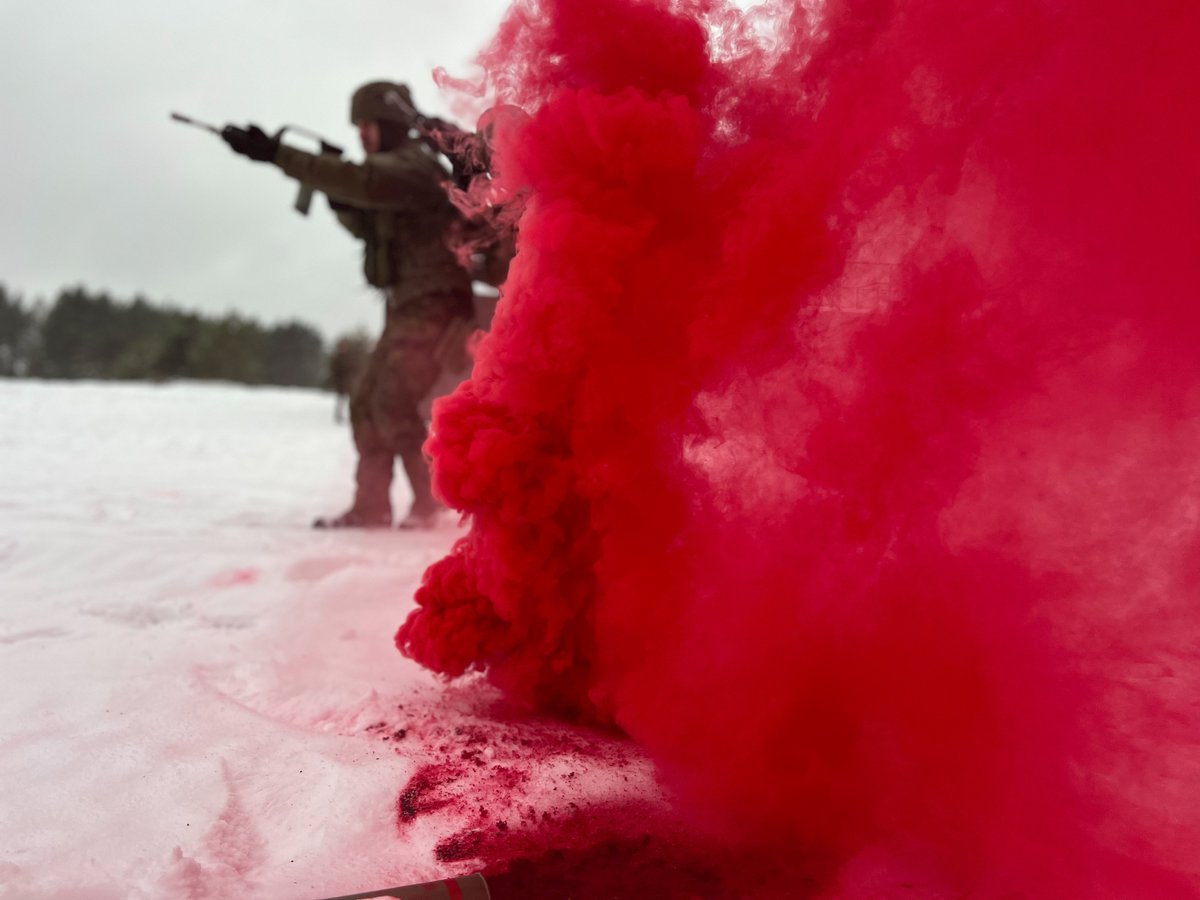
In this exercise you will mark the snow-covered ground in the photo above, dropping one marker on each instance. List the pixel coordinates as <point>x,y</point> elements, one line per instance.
<point>199,695</point>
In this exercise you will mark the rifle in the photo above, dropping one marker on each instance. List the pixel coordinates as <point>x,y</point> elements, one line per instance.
<point>305,194</point>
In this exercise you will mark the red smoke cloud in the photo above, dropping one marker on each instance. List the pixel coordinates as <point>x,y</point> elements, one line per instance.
<point>837,433</point>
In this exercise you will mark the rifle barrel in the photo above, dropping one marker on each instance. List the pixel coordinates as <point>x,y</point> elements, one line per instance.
<point>195,123</point>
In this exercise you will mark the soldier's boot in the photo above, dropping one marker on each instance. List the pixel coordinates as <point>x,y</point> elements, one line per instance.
<point>425,509</point>
<point>372,504</point>
<point>355,518</point>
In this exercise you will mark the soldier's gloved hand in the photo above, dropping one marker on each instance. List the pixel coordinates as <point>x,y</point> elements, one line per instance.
<point>251,141</point>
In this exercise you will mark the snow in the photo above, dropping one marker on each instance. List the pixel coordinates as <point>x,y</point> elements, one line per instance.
<point>200,693</point>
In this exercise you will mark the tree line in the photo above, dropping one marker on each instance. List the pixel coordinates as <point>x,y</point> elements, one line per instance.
<point>86,334</point>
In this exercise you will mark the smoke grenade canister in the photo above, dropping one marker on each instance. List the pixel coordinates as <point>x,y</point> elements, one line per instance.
<point>470,887</point>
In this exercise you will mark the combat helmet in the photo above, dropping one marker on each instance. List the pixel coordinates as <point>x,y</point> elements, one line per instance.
<point>382,101</point>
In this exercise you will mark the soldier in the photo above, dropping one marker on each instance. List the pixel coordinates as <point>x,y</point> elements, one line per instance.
<point>395,203</point>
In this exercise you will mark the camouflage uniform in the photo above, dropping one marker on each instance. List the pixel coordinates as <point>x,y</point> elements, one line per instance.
<point>395,203</point>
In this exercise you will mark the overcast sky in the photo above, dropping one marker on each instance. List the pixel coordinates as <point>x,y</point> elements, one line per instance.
<point>98,187</point>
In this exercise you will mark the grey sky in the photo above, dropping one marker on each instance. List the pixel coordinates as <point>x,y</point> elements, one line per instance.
<point>98,187</point>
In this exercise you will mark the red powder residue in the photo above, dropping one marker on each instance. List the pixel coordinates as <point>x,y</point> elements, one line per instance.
<point>836,435</point>
<point>480,762</point>
<point>543,806</point>
<point>558,839</point>
<point>422,794</point>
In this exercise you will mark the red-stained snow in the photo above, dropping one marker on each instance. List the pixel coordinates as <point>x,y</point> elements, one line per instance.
<point>200,698</point>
